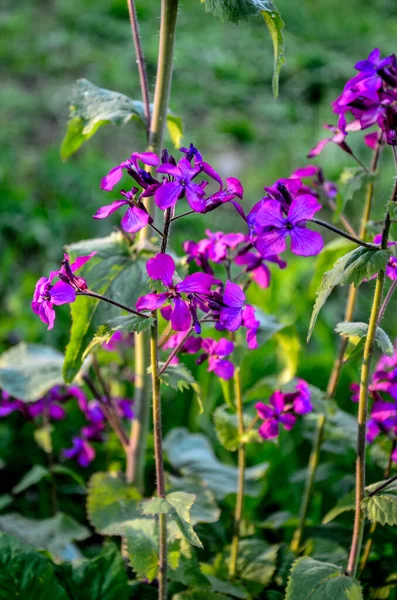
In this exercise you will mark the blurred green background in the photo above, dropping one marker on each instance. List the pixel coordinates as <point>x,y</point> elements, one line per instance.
<point>221,88</point>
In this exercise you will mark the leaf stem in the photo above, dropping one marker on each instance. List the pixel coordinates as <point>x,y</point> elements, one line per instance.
<point>175,351</point>
<point>309,484</point>
<point>344,234</point>
<point>241,474</point>
<point>383,486</point>
<point>185,214</point>
<point>140,60</point>
<point>166,230</point>
<point>158,452</point>
<point>113,302</point>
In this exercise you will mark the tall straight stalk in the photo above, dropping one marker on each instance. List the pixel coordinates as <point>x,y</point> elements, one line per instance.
<point>359,519</point>
<point>336,369</point>
<point>238,514</point>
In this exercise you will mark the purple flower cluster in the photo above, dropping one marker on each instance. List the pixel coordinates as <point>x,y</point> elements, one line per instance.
<point>383,392</point>
<point>283,408</point>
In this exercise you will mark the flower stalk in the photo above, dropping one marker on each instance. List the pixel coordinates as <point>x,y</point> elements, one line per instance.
<point>241,474</point>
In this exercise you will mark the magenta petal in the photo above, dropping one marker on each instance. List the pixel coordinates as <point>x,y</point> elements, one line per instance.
<point>234,296</point>
<point>167,194</point>
<point>305,242</point>
<point>304,207</point>
<point>47,314</point>
<point>81,260</point>
<point>161,267</point>
<point>383,410</point>
<point>62,293</point>
<point>269,429</point>
<point>230,318</point>
<point>181,319</point>
<point>288,421</point>
<point>269,215</point>
<point>223,368</point>
<point>235,187</point>
<point>262,276</point>
<point>169,169</point>
<point>199,283</point>
<point>318,148</point>
<point>210,171</point>
<point>223,347</point>
<point>148,158</point>
<point>151,301</point>
<point>112,178</point>
<point>264,410</point>
<point>195,197</point>
<point>134,219</point>
<point>271,242</point>
<point>277,401</point>
<point>105,211</point>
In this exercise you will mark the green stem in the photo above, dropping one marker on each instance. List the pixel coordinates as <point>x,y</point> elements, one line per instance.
<point>241,474</point>
<point>309,485</point>
<point>344,234</point>
<point>338,363</point>
<point>158,453</point>
<point>169,11</point>
<point>359,520</point>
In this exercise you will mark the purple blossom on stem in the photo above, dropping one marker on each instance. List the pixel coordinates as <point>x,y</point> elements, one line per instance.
<point>132,166</point>
<point>81,450</point>
<point>215,352</point>
<point>231,313</point>
<point>273,414</point>
<point>136,217</point>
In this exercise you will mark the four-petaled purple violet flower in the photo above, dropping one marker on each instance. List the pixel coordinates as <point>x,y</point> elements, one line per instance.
<point>273,414</point>
<point>181,185</point>
<point>162,267</point>
<point>275,227</point>
<point>81,450</point>
<point>132,165</point>
<point>136,217</point>
<point>215,352</point>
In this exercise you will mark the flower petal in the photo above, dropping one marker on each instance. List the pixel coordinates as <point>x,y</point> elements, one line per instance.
<point>304,207</point>
<point>151,301</point>
<point>62,293</point>
<point>134,219</point>
<point>223,368</point>
<point>113,177</point>
<point>305,242</point>
<point>269,429</point>
<point>161,267</point>
<point>223,347</point>
<point>271,242</point>
<point>195,197</point>
<point>198,283</point>
<point>167,194</point>
<point>105,211</point>
<point>181,318</point>
<point>230,318</point>
<point>269,215</point>
<point>234,296</point>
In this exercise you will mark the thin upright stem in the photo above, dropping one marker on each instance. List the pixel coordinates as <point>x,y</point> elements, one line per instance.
<point>344,234</point>
<point>175,351</point>
<point>113,302</point>
<point>359,519</point>
<point>158,452</point>
<point>238,514</point>
<point>169,12</point>
<point>387,299</point>
<point>309,484</point>
<point>166,230</point>
<point>140,60</point>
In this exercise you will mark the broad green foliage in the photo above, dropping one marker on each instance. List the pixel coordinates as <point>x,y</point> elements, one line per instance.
<point>315,580</point>
<point>53,534</point>
<point>381,508</point>
<point>178,377</point>
<point>110,503</point>
<point>226,428</point>
<point>360,330</point>
<point>238,10</point>
<point>127,324</point>
<point>33,476</point>
<point>176,506</point>
<point>205,508</point>
<point>28,371</point>
<point>25,574</point>
<point>354,267</point>
<point>92,106</point>
<point>200,595</point>
<point>101,578</point>
<point>325,550</point>
<point>115,271</point>
<point>257,560</point>
<point>344,504</point>
<point>192,455</point>
<point>331,252</point>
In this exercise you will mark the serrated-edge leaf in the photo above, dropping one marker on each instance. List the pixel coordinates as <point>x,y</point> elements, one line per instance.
<point>360,330</point>
<point>381,508</point>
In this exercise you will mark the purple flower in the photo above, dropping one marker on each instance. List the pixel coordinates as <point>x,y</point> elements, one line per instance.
<point>181,186</point>
<point>255,265</point>
<point>132,165</point>
<point>337,137</point>
<point>215,352</point>
<point>276,227</point>
<point>67,271</point>
<point>81,451</point>
<point>136,217</point>
<point>231,313</point>
<point>190,346</point>
<point>273,415</point>
<point>301,398</point>
<point>46,296</point>
<point>162,267</point>
<point>252,324</point>
<point>214,248</point>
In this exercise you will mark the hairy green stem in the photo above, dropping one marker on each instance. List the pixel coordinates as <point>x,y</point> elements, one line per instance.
<point>241,474</point>
<point>344,234</point>
<point>338,363</point>
<point>158,452</point>
<point>359,519</point>
<point>110,301</point>
<point>309,484</point>
<point>175,351</point>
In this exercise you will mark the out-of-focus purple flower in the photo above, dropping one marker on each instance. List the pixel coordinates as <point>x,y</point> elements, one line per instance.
<point>8,404</point>
<point>124,408</point>
<point>81,450</point>
<point>252,324</point>
<point>231,314</point>
<point>391,268</point>
<point>275,227</point>
<point>255,265</point>
<point>215,352</point>
<point>337,137</point>
<point>317,183</point>
<point>162,267</point>
<point>136,217</point>
<point>132,166</point>
<point>213,248</point>
<point>191,345</point>
<point>273,414</point>
<point>301,398</point>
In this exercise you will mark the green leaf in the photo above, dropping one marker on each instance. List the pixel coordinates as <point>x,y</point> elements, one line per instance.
<point>275,25</point>
<point>205,508</point>
<point>28,371</point>
<point>227,430</point>
<point>343,505</point>
<point>176,506</point>
<point>90,107</point>
<point>325,550</point>
<point>225,587</point>
<point>351,181</point>
<point>178,377</point>
<point>268,327</point>
<point>33,476</point>
<point>288,351</point>
<point>335,249</point>
<point>192,454</point>
<point>315,580</point>
<point>354,267</point>
<point>5,500</point>
<point>381,508</point>
<point>200,595</point>
<point>256,560</point>
<point>110,503</point>
<point>360,330</point>
<point>25,574</point>
<point>114,272</point>
<point>101,578</point>
<point>188,570</point>
<point>53,534</point>
<point>128,324</point>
